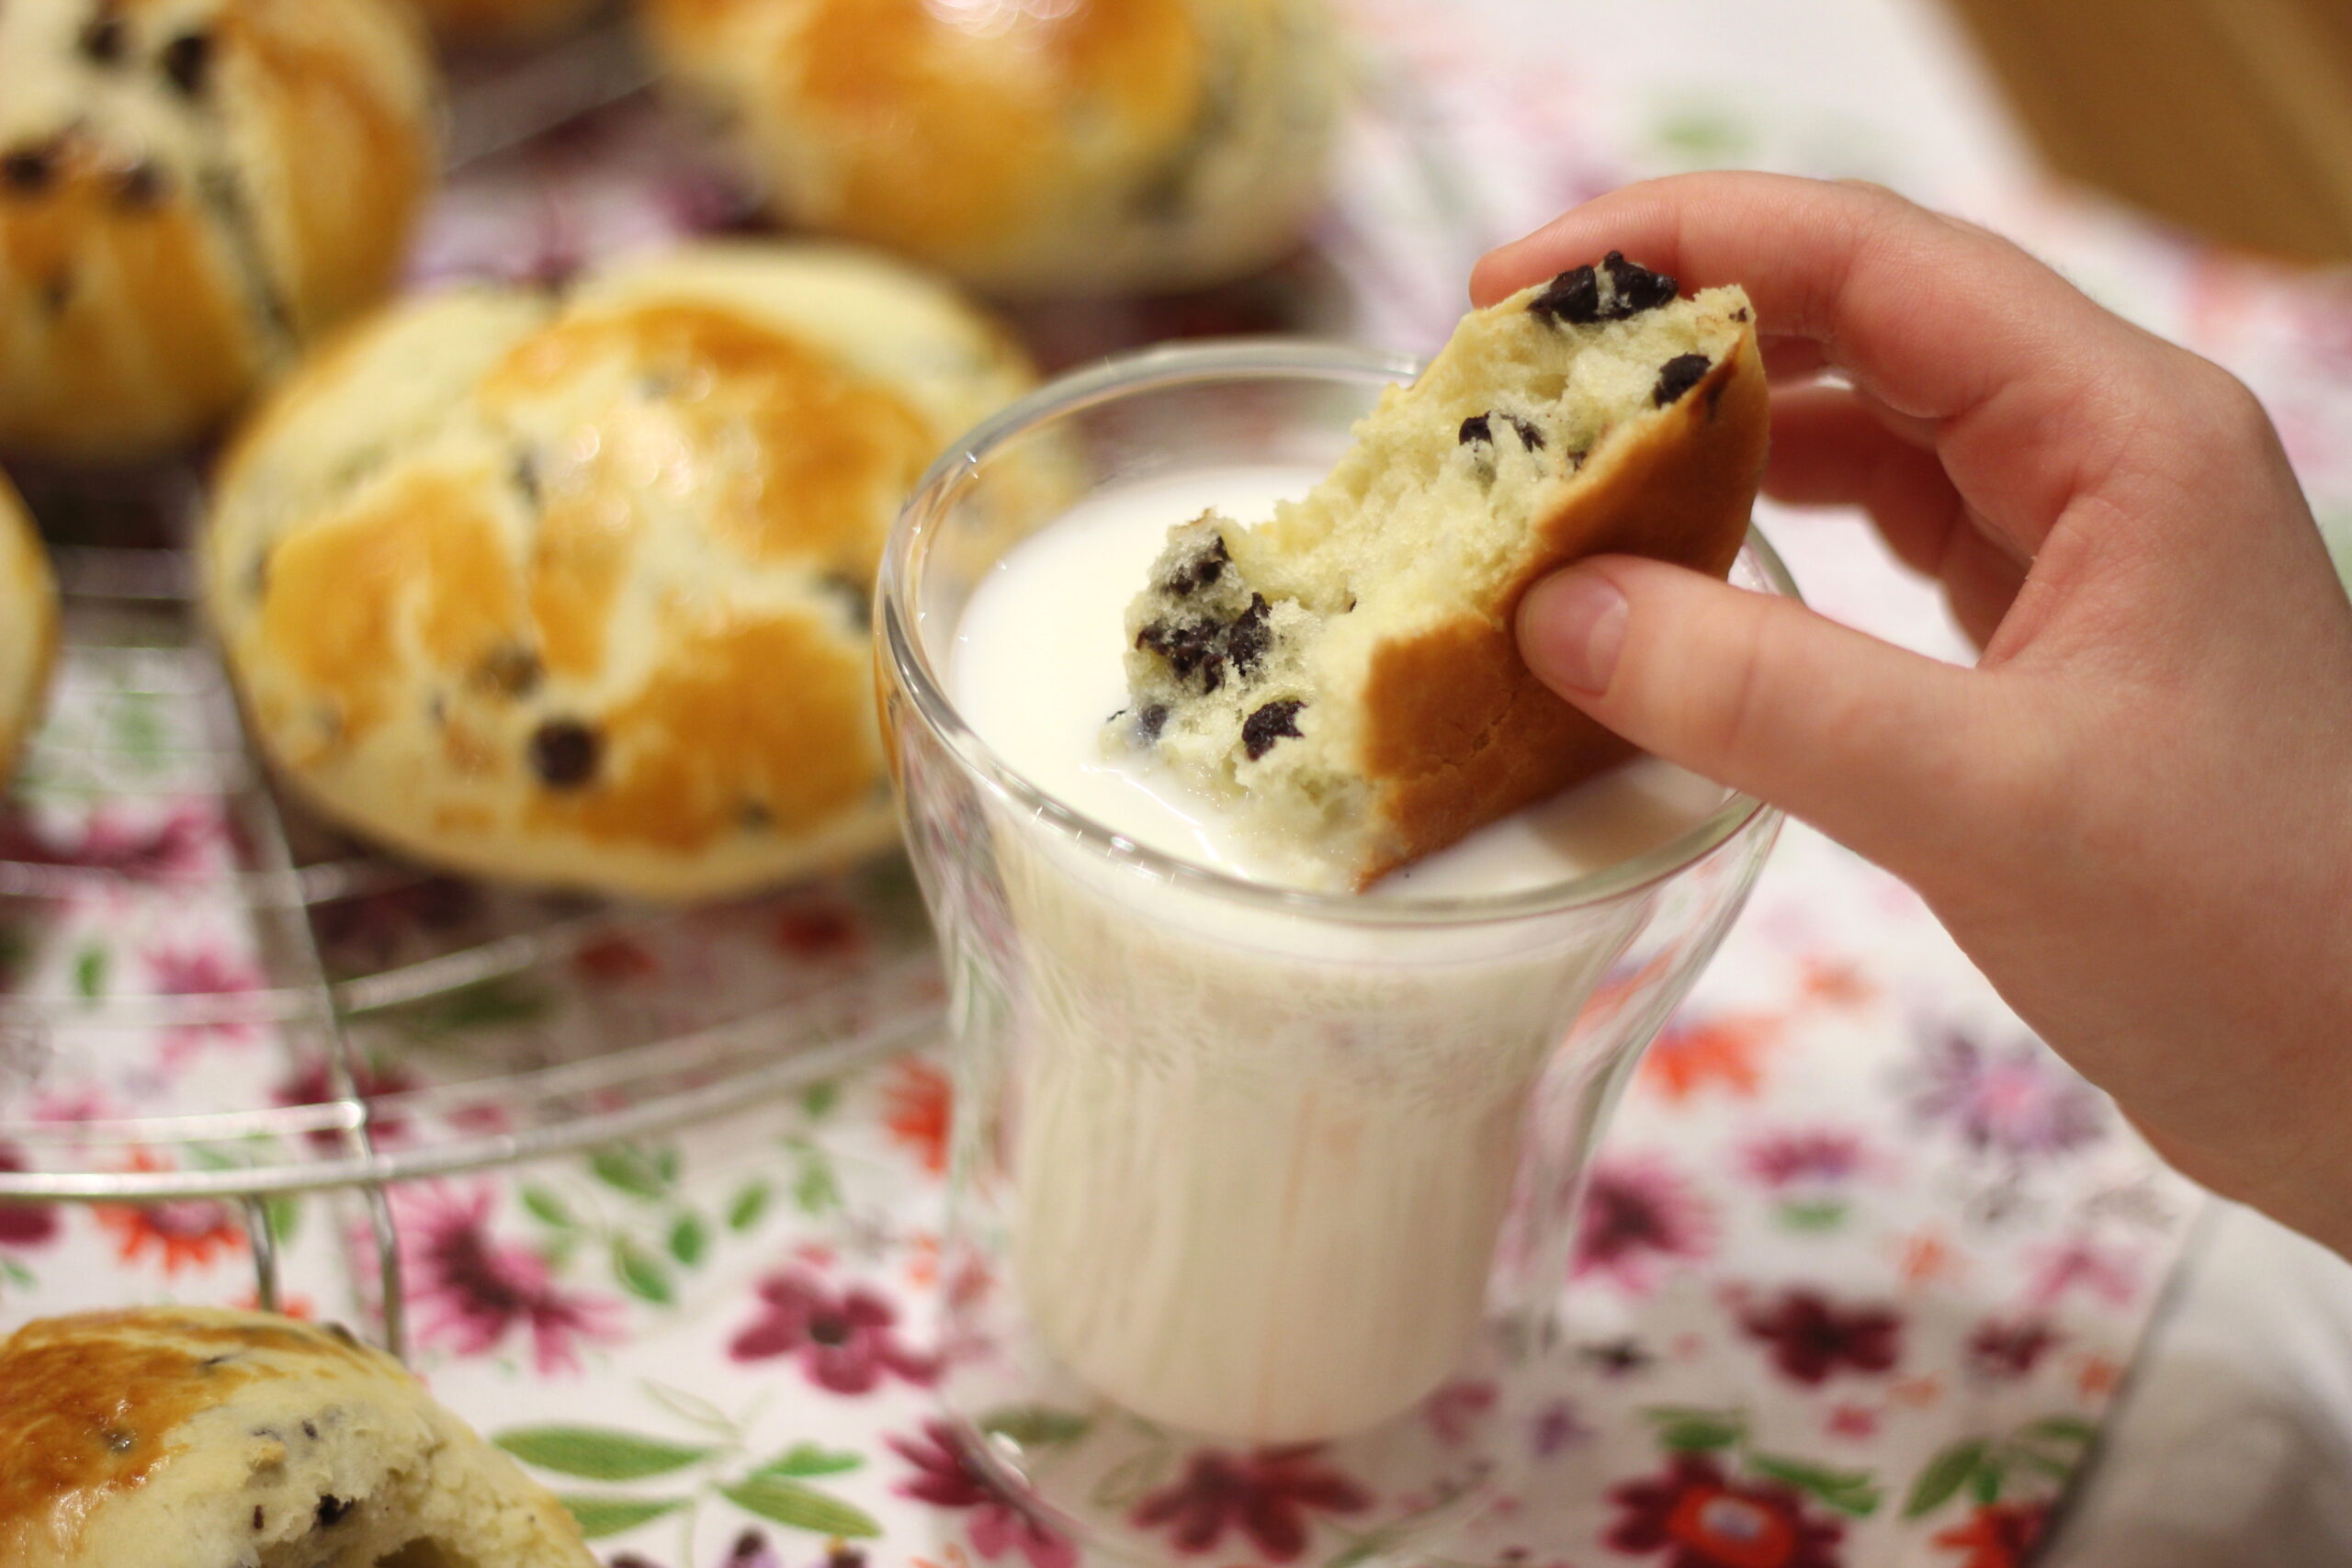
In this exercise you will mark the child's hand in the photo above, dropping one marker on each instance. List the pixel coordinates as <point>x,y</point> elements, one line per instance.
<point>2135,813</point>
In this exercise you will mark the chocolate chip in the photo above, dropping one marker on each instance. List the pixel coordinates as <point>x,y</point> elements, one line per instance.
<point>564,753</point>
<point>1151,722</point>
<point>29,171</point>
<point>210,1362</point>
<point>1637,287</point>
<point>141,186</point>
<point>510,669</point>
<point>1740,314</point>
<point>524,474</point>
<point>1246,641</point>
<point>56,292</point>
<point>310,1431</point>
<point>1199,572</point>
<point>1678,375</point>
<point>331,1511</point>
<point>1189,647</point>
<point>257,1518</point>
<point>1573,298</point>
<point>187,63</point>
<point>748,1546</point>
<point>845,1557</point>
<point>1480,428</point>
<point>1275,721</point>
<point>855,597</point>
<point>101,39</point>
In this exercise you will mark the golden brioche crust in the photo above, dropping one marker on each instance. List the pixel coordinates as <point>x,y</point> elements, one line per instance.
<point>1461,733</point>
<point>28,627</point>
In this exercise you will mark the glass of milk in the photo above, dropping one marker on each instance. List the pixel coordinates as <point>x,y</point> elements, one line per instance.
<point>1263,1197</point>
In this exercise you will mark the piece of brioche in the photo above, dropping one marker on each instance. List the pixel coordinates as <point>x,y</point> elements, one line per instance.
<point>1348,669</point>
<point>196,1437</point>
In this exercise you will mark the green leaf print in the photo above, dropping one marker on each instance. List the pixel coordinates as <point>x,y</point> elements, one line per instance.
<point>803,1507</point>
<point>808,1459</point>
<point>748,1206</point>
<point>601,1516</point>
<point>491,1004</point>
<point>641,1273</point>
<point>817,1102</point>
<point>2059,1428</point>
<point>1848,1491</point>
<point>689,1240</point>
<point>1944,1476</point>
<point>90,973</point>
<point>547,1209</point>
<point>1036,1426</point>
<point>1698,1434</point>
<point>627,1169</point>
<point>597,1453</point>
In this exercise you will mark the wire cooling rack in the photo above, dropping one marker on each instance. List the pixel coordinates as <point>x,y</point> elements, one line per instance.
<point>315,1017</point>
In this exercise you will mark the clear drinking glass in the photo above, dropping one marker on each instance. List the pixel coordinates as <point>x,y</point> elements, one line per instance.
<point>1262,1199</point>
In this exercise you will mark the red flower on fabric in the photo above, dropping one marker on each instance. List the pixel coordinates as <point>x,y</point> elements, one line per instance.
<point>1998,1535</point>
<point>1265,1495</point>
<point>615,958</point>
<point>2000,1350</point>
<point>470,1290</point>
<point>1638,1217</point>
<point>24,1224</point>
<point>845,1343</point>
<point>1700,1518</point>
<point>919,1103</point>
<point>184,1233</point>
<point>173,848</point>
<point>1810,1337</point>
<point>1787,1160</point>
<point>1685,1058</point>
<point>945,1479</point>
<point>817,930</point>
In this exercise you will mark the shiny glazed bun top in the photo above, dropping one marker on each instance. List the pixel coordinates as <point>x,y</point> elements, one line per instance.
<point>576,591</point>
<point>1029,146</point>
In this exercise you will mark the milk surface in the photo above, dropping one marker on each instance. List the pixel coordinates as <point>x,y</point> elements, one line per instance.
<point>1037,672</point>
<point>1260,1161</point>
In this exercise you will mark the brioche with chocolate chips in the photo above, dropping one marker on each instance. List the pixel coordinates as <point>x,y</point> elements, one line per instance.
<point>189,191</point>
<point>28,626</point>
<point>574,591</point>
<point>1086,145</point>
<point>195,1438</point>
<point>1348,669</point>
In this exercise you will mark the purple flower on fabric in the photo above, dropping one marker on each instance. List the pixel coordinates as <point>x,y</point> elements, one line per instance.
<point>471,1290</point>
<point>1639,1216</point>
<point>2019,1102</point>
<point>845,1343</point>
<point>997,1524</point>
<point>200,972</point>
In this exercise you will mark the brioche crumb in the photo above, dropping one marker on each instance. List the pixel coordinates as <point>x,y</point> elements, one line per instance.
<point>1588,413</point>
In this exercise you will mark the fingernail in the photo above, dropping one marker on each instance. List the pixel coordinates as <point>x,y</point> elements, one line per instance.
<point>1571,629</point>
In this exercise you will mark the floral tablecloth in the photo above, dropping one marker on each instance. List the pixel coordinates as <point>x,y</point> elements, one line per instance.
<point>1862,1268</point>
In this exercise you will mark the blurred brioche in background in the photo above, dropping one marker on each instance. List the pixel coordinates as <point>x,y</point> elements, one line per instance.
<point>28,626</point>
<point>575,592</point>
<point>189,191</point>
<point>1084,146</point>
<point>502,23</point>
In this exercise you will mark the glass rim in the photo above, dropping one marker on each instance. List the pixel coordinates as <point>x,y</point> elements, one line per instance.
<point>1172,366</point>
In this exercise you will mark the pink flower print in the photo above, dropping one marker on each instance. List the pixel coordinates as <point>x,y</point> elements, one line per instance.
<point>1265,1495</point>
<point>1558,1426</point>
<point>1638,1217</point>
<point>1810,1337</point>
<point>1455,1410</point>
<point>173,848</point>
<point>997,1524</point>
<point>469,1291</point>
<point>845,1343</point>
<point>314,1085</point>
<point>2079,1264</point>
<point>1804,1159</point>
<point>199,972</point>
<point>1858,1422</point>
<point>24,1224</point>
<point>2022,1102</point>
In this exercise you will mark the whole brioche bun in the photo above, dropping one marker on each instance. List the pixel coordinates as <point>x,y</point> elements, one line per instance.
<point>575,592</point>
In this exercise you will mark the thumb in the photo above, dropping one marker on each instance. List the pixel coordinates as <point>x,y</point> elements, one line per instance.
<point>1884,750</point>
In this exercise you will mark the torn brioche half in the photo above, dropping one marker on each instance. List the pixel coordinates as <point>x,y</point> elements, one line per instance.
<point>1348,670</point>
